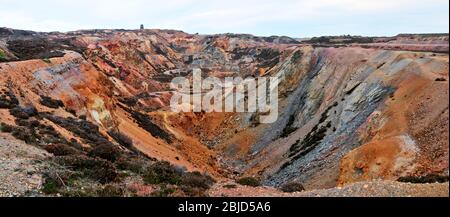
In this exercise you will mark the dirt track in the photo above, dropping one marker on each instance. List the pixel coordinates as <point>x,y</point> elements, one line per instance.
<point>363,189</point>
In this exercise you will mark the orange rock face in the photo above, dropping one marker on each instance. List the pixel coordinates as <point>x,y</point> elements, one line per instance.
<point>408,137</point>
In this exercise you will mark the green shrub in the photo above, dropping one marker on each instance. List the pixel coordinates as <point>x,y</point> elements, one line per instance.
<point>194,191</point>
<point>54,182</point>
<point>27,123</point>
<point>6,128</point>
<point>74,143</point>
<point>110,191</point>
<point>131,163</point>
<point>8,100</point>
<point>61,150</point>
<point>121,138</point>
<point>249,181</point>
<point>429,178</point>
<point>292,187</point>
<point>162,173</point>
<point>19,113</point>
<point>164,191</point>
<point>87,192</point>
<point>94,168</point>
<point>86,130</point>
<point>230,186</point>
<point>195,184</point>
<point>197,180</point>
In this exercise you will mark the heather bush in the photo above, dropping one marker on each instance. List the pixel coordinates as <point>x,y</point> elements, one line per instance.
<point>51,103</point>
<point>94,168</point>
<point>121,138</point>
<point>249,181</point>
<point>292,187</point>
<point>162,173</point>
<point>61,150</point>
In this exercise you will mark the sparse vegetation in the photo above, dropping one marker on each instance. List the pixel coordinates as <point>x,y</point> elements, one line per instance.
<point>61,150</point>
<point>24,134</point>
<point>95,168</point>
<point>162,173</point>
<point>129,101</point>
<point>138,165</point>
<point>197,180</point>
<point>31,130</point>
<point>95,164</point>
<point>70,184</point>
<point>268,58</point>
<point>302,147</point>
<point>86,130</point>
<point>297,56</point>
<point>164,191</point>
<point>50,186</point>
<point>51,103</point>
<point>121,138</point>
<point>129,78</point>
<point>110,191</point>
<point>292,187</point>
<point>19,113</point>
<point>344,39</point>
<point>290,128</point>
<point>6,128</point>
<point>105,151</point>
<point>36,48</point>
<point>2,56</point>
<point>147,124</point>
<point>23,112</point>
<point>8,100</point>
<point>430,178</point>
<point>47,60</point>
<point>230,186</point>
<point>249,181</point>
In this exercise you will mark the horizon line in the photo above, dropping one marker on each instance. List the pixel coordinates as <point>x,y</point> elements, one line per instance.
<point>225,33</point>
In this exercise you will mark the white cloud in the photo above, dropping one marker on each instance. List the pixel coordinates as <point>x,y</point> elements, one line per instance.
<point>20,20</point>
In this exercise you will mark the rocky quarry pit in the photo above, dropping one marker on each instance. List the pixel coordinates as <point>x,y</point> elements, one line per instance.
<point>87,113</point>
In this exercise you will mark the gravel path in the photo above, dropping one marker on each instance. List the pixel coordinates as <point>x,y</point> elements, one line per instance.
<point>21,167</point>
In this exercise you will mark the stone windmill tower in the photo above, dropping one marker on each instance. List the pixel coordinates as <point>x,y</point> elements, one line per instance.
<point>142,26</point>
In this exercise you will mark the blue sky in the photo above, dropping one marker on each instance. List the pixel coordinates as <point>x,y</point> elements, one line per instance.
<point>295,18</point>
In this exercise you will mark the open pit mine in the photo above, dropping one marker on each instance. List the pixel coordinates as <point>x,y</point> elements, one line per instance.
<point>87,113</point>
